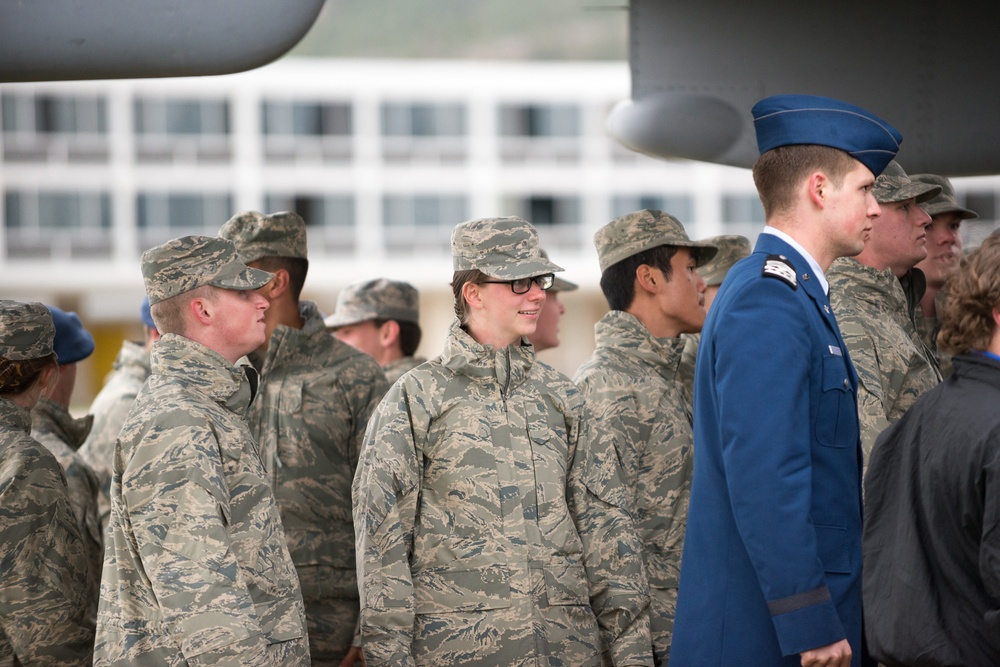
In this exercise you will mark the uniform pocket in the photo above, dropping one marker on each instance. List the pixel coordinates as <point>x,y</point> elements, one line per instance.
<point>566,584</point>
<point>438,591</point>
<point>832,545</point>
<point>837,410</point>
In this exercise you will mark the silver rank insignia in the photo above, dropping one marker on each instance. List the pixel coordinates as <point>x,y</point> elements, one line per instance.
<point>778,266</point>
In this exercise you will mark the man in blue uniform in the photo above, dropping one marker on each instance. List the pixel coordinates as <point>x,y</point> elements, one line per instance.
<point>771,569</point>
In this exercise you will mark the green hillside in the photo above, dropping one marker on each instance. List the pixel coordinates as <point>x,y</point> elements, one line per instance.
<point>510,30</point>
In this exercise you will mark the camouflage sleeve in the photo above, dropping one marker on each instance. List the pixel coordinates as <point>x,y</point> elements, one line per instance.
<point>178,506</point>
<point>385,492</point>
<point>872,408</point>
<point>43,597</point>
<point>619,593</point>
<point>366,390</point>
<point>610,406</point>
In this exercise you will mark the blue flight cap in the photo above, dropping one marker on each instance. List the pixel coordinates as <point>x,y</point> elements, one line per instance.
<point>72,342</point>
<point>785,120</point>
<point>145,315</point>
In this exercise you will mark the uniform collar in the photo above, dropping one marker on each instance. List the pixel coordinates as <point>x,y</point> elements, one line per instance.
<point>12,414</point>
<point>193,365</point>
<point>508,366</point>
<point>50,417</point>
<point>623,331</point>
<point>817,271</point>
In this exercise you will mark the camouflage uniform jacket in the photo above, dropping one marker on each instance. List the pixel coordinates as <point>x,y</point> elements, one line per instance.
<point>633,391</point>
<point>196,569</point>
<point>480,491</point>
<point>395,369</point>
<point>53,426</point>
<point>309,417</point>
<point>43,598</point>
<point>876,320</point>
<point>110,408</point>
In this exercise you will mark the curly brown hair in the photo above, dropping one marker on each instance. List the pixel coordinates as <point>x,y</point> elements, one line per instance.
<point>973,295</point>
<point>16,377</point>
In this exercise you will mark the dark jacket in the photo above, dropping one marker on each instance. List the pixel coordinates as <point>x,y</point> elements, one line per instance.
<point>932,526</point>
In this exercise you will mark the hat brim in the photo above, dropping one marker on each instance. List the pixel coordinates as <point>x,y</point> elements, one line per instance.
<point>335,322</point>
<point>527,268</point>
<point>945,207</point>
<point>239,276</point>
<point>562,285</point>
<point>915,190</point>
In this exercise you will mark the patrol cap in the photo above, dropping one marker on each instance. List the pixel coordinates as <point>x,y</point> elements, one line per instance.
<point>635,232</point>
<point>256,235</point>
<point>378,299</point>
<point>72,342</point>
<point>785,120</point>
<point>504,248</point>
<point>894,185</point>
<point>732,248</point>
<point>945,201</point>
<point>26,331</point>
<point>189,262</point>
<point>145,315</point>
<point>559,284</point>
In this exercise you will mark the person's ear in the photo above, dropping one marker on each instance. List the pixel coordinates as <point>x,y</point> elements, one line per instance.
<point>646,278</point>
<point>472,293</point>
<point>201,310</point>
<point>818,188</point>
<point>278,285</point>
<point>388,333</point>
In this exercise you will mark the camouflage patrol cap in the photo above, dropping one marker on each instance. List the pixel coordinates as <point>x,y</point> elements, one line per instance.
<point>504,248</point>
<point>378,299</point>
<point>635,232</point>
<point>189,262</point>
<point>945,201</point>
<point>894,185</point>
<point>732,248</point>
<point>559,284</point>
<point>26,331</point>
<point>256,235</point>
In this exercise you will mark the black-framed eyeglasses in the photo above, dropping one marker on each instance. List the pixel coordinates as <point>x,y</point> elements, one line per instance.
<point>523,285</point>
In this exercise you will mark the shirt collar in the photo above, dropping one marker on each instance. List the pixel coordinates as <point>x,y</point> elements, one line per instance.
<point>818,272</point>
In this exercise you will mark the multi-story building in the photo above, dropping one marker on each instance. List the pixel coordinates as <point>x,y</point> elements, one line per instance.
<point>381,158</point>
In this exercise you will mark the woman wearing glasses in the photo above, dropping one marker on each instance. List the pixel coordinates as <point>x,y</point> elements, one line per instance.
<point>489,523</point>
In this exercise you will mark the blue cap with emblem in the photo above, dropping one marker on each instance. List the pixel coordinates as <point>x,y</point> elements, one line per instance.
<point>785,120</point>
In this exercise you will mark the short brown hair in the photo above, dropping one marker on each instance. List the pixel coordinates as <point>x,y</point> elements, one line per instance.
<point>779,171</point>
<point>169,315</point>
<point>458,280</point>
<point>972,295</point>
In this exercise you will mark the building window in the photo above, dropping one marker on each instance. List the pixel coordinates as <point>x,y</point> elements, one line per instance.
<point>539,132</point>
<point>57,224</point>
<point>679,206</point>
<point>419,223</point>
<point>539,120</point>
<point>55,128</point>
<point>295,131</point>
<point>331,218</point>
<point>423,132</point>
<point>559,219</point>
<point>161,216</point>
<point>182,129</point>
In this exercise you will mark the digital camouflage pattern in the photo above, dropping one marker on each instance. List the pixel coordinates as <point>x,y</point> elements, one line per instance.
<point>685,371</point>
<point>732,248</point>
<point>378,299</point>
<point>502,248</point>
<point>632,389</point>
<point>894,185</point>
<point>187,263</point>
<point>43,595</point>
<point>196,570</point>
<point>109,409</point>
<point>26,331</point>
<point>396,369</point>
<point>638,231</point>
<point>876,321</point>
<point>491,529</point>
<point>559,284</point>
<point>258,235</point>
<point>53,426</point>
<point>315,398</point>
<point>945,201</point>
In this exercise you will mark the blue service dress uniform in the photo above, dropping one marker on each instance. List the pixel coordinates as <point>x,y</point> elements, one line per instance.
<point>772,558</point>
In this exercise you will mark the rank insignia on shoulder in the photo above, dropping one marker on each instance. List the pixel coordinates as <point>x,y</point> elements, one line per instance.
<point>778,266</point>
